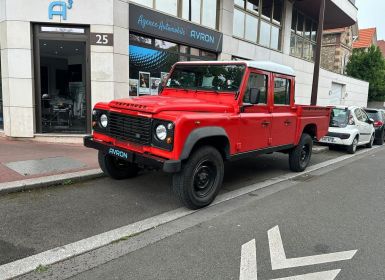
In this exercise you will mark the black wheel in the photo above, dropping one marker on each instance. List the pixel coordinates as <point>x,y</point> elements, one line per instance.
<point>116,168</point>
<point>370,144</point>
<point>299,157</point>
<point>380,140</point>
<point>200,179</point>
<point>353,147</point>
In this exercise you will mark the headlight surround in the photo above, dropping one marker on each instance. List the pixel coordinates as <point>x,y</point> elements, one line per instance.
<point>161,132</point>
<point>103,120</point>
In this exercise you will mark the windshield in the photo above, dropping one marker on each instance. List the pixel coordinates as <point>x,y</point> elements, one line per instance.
<point>339,117</point>
<point>212,77</point>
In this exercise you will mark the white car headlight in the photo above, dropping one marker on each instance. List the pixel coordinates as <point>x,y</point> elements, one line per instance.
<point>161,132</point>
<point>104,120</point>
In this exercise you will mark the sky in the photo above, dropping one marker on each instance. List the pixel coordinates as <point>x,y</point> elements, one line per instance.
<point>371,13</point>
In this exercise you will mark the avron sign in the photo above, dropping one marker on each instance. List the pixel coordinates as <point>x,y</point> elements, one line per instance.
<point>159,25</point>
<point>59,8</point>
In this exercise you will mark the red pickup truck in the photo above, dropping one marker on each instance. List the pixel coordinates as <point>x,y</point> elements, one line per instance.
<point>207,113</point>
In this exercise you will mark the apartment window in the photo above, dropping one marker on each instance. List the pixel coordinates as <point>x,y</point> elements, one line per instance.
<point>303,36</point>
<point>259,21</point>
<point>203,12</point>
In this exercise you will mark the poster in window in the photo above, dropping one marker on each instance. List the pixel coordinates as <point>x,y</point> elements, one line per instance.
<point>133,87</point>
<point>163,76</point>
<point>144,83</point>
<point>155,82</point>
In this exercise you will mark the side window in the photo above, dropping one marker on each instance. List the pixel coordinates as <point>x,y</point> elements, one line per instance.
<point>281,91</point>
<point>259,82</point>
<point>365,117</point>
<point>357,112</point>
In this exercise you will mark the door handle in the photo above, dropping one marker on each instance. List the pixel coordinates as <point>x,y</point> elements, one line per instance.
<point>287,122</point>
<point>265,123</point>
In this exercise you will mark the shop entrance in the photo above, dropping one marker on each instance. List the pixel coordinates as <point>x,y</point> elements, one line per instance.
<point>62,80</point>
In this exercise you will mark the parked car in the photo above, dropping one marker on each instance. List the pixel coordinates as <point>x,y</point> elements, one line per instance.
<point>378,116</point>
<point>207,113</point>
<point>350,127</point>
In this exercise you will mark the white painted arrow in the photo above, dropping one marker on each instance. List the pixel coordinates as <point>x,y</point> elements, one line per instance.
<point>279,260</point>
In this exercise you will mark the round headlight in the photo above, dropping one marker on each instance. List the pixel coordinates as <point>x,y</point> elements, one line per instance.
<point>161,132</point>
<point>104,120</point>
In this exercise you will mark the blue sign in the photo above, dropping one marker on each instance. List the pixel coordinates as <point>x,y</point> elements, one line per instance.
<point>59,8</point>
<point>166,27</point>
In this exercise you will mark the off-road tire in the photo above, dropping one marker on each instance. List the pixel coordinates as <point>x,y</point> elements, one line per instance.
<point>370,144</point>
<point>380,141</point>
<point>353,147</point>
<point>299,157</point>
<point>204,164</point>
<point>116,168</point>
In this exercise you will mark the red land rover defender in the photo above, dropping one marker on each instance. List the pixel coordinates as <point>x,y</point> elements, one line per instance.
<point>207,113</point>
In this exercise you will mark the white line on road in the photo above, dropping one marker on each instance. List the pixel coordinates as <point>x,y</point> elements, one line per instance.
<point>324,275</point>
<point>248,269</point>
<point>58,254</point>
<point>279,260</point>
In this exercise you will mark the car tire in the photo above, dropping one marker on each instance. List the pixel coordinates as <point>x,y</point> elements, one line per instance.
<point>116,168</point>
<point>200,179</point>
<point>353,147</point>
<point>380,141</point>
<point>299,157</point>
<point>370,144</point>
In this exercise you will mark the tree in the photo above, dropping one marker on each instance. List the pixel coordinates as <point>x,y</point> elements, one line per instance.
<point>369,65</point>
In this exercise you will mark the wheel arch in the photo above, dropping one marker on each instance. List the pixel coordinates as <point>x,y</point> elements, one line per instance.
<point>310,129</point>
<point>212,135</point>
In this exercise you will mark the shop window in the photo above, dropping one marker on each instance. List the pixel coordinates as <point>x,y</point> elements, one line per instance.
<point>281,91</point>
<point>253,17</point>
<point>150,63</point>
<point>1,101</point>
<point>303,36</point>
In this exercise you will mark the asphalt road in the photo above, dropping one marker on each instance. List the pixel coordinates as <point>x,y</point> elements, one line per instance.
<point>38,220</point>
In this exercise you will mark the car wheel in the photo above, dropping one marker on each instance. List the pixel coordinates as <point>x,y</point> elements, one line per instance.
<point>116,168</point>
<point>299,157</point>
<point>380,140</point>
<point>353,147</point>
<point>370,144</point>
<point>200,179</point>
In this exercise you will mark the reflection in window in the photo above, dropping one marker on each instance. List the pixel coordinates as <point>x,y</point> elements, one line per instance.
<point>167,6</point>
<point>166,45</point>
<point>255,16</point>
<point>202,12</point>
<point>256,82</point>
<point>303,36</point>
<point>281,91</point>
<point>1,101</point>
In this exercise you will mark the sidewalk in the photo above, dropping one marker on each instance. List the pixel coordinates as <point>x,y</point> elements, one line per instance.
<point>21,160</point>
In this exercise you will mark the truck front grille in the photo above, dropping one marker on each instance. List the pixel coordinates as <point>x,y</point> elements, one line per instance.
<point>130,128</point>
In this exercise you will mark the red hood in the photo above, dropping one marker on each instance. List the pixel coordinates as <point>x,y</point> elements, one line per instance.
<point>156,104</point>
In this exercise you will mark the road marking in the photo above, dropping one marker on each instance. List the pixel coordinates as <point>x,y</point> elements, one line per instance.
<point>279,260</point>
<point>324,275</point>
<point>248,270</point>
<point>28,264</point>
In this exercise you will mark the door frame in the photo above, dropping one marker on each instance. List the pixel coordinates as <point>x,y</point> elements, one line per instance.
<point>60,36</point>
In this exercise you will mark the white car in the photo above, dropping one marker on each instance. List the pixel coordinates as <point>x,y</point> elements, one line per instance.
<point>350,127</point>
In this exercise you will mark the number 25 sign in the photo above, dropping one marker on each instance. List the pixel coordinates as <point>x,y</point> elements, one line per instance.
<point>102,39</point>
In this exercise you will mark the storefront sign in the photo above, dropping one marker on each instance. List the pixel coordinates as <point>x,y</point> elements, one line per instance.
<point>102,39</point>
<point>159,25</point>
<point>59,8</point>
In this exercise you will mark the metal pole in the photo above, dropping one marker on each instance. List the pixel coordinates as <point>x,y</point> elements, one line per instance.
<point>189,10</point>
<point>317,60</point>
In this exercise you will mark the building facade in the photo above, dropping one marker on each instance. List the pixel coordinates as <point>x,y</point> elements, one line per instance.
<point>59,58</point>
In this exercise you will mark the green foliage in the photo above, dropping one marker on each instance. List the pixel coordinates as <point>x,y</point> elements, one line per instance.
<point>369,66</point>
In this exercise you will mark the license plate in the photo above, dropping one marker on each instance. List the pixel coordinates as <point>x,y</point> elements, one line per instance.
<point>328,139</point>
<point>118,153</point>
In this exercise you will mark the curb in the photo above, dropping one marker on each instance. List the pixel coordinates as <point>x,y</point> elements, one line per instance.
<point>48,181</point>
<point>319,149</point>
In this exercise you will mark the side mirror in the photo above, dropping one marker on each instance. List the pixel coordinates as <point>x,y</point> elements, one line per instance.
<point>371,121</point>
<point>254,95</point>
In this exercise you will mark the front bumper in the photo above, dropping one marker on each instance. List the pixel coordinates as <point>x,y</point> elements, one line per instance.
<point>169,166</point>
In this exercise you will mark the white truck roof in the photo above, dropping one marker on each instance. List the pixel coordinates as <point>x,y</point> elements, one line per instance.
<point>261,65</point>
